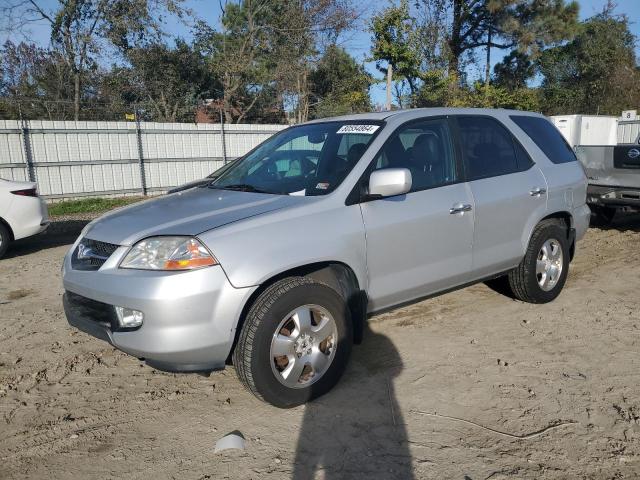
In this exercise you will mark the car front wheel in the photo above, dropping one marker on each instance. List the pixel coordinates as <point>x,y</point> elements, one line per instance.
<point>295,342</point>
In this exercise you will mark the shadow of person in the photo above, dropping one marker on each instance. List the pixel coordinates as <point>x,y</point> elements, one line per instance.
<point>356,430</point>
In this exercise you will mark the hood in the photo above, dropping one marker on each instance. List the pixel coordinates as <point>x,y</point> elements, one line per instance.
<point>185,213</point>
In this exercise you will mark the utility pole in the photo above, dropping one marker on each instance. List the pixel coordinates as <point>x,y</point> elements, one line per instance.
<point>487,75</point>
<point>222,136</point>
<point>143,176</point>
<point>389,77</point>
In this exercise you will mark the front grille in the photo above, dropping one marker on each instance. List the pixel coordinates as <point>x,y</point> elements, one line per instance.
<point>91,254</point>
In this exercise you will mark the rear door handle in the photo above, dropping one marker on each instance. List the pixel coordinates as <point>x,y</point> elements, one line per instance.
<point>460,208</point>
<point>536,192</point>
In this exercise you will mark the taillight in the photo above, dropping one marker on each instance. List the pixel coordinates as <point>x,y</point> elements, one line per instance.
<point>27,192</point>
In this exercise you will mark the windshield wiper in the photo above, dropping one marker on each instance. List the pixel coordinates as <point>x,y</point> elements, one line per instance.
<point>241,187</point>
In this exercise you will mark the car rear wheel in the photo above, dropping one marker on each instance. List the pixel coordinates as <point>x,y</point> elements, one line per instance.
<point>5,239</point>
<point>295,342</point>
<point>542,273</point>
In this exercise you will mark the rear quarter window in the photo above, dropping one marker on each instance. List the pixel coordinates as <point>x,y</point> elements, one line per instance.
<point>546,137</point>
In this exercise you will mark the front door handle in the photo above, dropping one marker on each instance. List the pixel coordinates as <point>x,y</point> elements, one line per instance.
<point>536,192</point>
<point>460,208</point>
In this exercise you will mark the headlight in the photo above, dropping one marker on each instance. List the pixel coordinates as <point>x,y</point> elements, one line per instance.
<point>168,253</point>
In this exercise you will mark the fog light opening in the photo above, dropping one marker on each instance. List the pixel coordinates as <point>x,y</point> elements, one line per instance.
<point>128,317</point>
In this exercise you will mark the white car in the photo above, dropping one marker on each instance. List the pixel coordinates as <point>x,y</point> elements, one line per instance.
<point>22,212</point>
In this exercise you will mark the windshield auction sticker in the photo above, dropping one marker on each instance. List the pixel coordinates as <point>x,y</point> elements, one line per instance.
<point>364,129</point>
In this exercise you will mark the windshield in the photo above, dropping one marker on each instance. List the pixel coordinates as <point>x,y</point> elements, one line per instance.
<point>307,160</point>
<point>222,169</point>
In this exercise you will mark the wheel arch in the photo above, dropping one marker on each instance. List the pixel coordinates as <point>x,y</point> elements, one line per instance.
<point>6,224</point>
<point>337,275</point>
<point>567,219</point>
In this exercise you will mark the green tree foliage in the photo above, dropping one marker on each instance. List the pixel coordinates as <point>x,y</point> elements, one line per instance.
<point>165,83</point>
<point>277,60</point>
<point>496,96</point>
<point>240,55</point>
<point>82,29</point>
<point>266,51</point>
<point>339,85</point>
<point>594,73</point>
<point>514,71</point>
<point>396,42</point>
<point>528,25</point>
<point>33,81</point>
<point>428,44</point>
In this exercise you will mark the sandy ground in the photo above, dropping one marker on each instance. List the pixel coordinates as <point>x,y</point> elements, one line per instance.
<point>469,385</point>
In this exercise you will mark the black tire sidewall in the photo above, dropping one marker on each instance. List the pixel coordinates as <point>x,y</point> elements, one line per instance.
<point>6,239</point>
<point>556,232</point>
<point>265,381</point>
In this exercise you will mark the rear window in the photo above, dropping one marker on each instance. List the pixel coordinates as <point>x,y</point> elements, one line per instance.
<point>487,148</point>
<point>546,137</point>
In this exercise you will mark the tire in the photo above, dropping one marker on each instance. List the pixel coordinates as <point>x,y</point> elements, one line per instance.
<point>526,280</point>
<point>279,310</point>
<point>602,216</point>
<point>5,239</point>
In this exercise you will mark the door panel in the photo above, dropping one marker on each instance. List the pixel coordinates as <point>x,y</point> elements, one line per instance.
<point>415,246</point>
<point>505,209</point>
<point>508,189</point>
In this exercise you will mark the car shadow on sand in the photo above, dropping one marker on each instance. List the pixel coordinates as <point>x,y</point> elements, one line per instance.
<point>357,430</point>
<point>59,233</point>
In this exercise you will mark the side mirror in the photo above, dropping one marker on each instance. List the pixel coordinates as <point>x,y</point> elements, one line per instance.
<point>389,182</point>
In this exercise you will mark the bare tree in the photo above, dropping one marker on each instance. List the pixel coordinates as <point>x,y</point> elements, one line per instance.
<point>83,30</point>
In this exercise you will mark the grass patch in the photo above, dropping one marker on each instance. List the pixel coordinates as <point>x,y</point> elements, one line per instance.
<point>90,205</point>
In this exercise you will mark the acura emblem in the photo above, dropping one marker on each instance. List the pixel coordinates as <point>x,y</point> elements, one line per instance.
<point>84,252</point>
<point>633,153</point>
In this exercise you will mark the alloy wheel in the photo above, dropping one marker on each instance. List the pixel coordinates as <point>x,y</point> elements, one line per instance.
<point>303,346</point>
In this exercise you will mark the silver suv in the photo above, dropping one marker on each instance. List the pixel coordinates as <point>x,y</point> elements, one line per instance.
<point>276,264</point>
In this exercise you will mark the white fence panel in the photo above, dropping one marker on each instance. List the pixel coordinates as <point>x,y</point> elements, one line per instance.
<point>71,159</point>
<point>629,132</point>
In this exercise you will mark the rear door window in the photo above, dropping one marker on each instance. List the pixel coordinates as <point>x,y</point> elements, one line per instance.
<point>524,160</point>
<point>487,148</point>
<point>546,137</point>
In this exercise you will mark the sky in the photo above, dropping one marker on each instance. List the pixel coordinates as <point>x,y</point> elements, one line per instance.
<point>357,42</point>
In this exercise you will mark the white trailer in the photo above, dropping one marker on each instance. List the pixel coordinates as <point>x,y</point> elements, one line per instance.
<point>592,130</point>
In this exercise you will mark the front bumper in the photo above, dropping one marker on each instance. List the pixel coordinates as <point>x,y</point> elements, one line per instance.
<point>608,196</point>
<point>189,317</point>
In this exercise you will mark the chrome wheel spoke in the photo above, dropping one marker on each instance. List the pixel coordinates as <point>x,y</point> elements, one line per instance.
<point>302,319</point>
<point>319,361</point>
<point>282,345</point>
<point>545,251</point>
<point>291,374</point>
<point>541,267</point>
<point>323,331</point>
<point>544,281</point>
